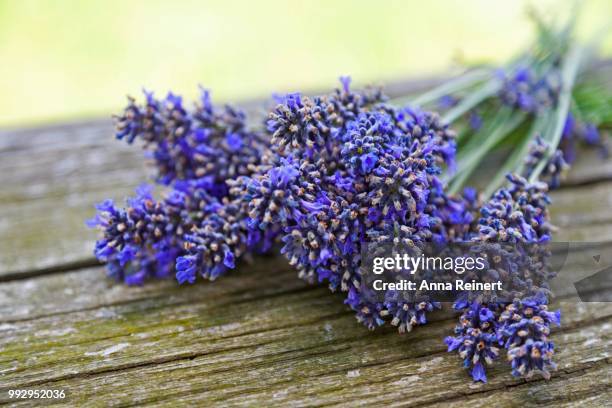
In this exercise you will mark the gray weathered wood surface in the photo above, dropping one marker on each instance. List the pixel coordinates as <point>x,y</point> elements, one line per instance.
<point>257,337</point>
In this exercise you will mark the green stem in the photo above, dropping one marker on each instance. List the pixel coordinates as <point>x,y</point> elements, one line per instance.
<point>568,76</point>
<point>517,155</point>
<point>475,157</point>
<point>455,85</point>
<point>488,89</point>
<point>465,154</point>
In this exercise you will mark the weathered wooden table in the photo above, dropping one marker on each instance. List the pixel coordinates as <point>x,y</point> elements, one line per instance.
<point>257,337</point>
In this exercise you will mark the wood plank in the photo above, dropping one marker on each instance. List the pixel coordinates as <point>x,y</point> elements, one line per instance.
<point>587,388</point>
<point>582,206</point>
<point>43,204</point>
<point>89,289</point>
<point>311,362</point>
<point>591,168</point>
<point>249,332</point>
<point>411,381</point>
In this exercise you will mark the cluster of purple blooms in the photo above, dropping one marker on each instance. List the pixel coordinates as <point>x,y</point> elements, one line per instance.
<point>516,214</point>
<point>576,131</point>
<point>555,166</point>
<point>203,144</point>
<point>528,91</point>
<point>348,170</point>
<point>533,93</point>
<point>327,176</point>
<point>199,227</point>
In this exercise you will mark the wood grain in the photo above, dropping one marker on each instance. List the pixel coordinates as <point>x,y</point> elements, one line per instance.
<point>282,343</point>
<point>257,337</point>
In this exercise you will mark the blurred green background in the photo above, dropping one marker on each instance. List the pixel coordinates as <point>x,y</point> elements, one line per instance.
<point>62,60</point>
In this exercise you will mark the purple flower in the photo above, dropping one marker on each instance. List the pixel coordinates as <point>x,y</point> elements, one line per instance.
<point>368,161</point>
<point>405,314</point>
<point>346,83</point>
<point>283,175</point>
<point>186,269</point>
<point>524,329</point>
<point>213,245</point>
<point>578,132</point>
<point>516,214</point>
<point>555,166</point>
<point>478,373</point>
<point>187,145</point>
<point>234,141</point>
<point>447,101</point>
<point>591,135</point>
<point>145,239</point>
<point>529,91</point>
<point>345,169</point>
<point>475,121</point>
<point>475,340</point>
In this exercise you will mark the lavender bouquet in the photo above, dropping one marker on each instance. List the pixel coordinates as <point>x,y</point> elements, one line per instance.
<point>325,175</point>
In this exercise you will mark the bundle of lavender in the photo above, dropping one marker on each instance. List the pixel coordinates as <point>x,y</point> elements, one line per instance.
<point>327,175</point>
